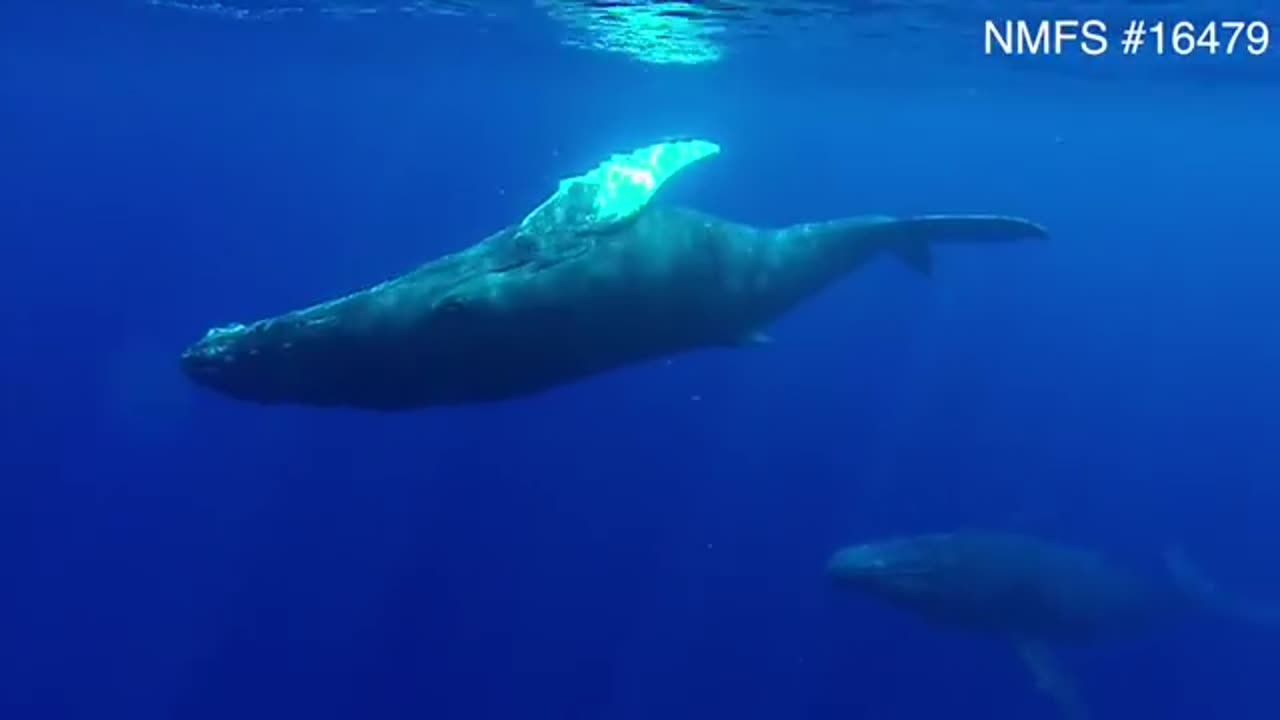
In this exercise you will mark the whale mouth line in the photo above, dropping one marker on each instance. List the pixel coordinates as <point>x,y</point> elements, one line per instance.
<point>884,571</point>
<point>871,563</point>
<point>895,572</point>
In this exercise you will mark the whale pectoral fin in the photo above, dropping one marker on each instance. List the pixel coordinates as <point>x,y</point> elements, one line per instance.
<point>1051,679</point>
<point>615,190</point>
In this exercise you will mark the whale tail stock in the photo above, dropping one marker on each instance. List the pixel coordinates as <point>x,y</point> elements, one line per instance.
<point>1197,587</point>
<point>910,239</point>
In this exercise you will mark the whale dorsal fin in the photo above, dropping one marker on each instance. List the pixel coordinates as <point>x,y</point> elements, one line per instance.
<point>615,190</point>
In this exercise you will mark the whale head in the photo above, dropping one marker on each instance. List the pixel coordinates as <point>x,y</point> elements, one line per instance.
<point>242,361</point>
<point>388,349</point>
<point>900,570</point>
<point>308,357</point>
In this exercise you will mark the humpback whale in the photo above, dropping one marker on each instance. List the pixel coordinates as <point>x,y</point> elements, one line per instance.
<point>1030,591</point>
<point>595,278</point>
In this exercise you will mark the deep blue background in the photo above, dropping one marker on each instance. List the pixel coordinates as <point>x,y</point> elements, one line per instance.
<point>647,543</point>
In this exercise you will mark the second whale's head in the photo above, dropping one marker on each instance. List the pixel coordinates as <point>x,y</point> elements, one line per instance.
<point>897,569</point>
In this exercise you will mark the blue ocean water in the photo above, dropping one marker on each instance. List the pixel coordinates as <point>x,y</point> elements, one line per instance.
<point>651,541</point>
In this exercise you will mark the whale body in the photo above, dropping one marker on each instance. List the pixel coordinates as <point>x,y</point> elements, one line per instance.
<point>596,278</point>
<point>1031,592</point>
